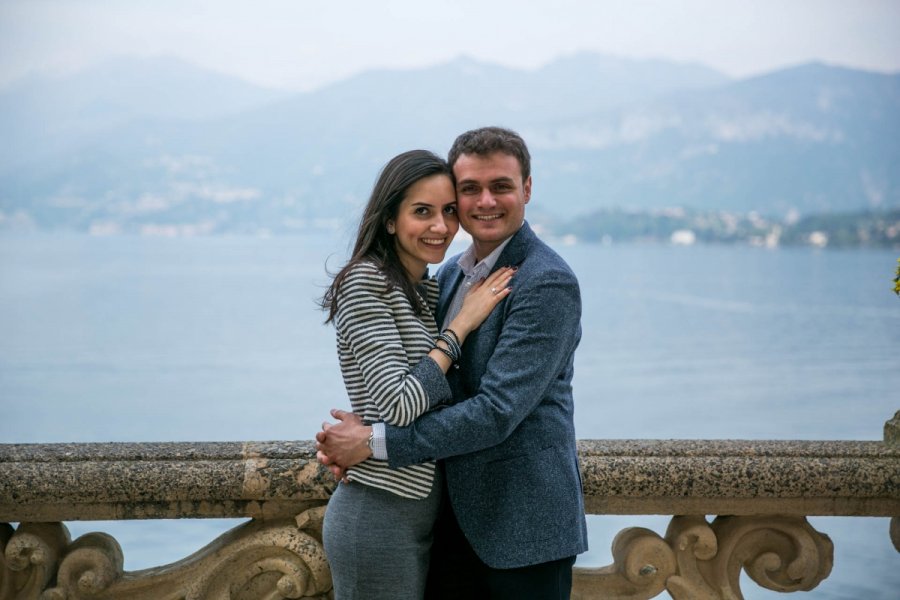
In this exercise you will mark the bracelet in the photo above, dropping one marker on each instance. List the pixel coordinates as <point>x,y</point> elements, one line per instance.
<point>453,333</point>
<point>447,352</point>
<point>371,441</point>
<point>452,345</point>
<point>451,341</point>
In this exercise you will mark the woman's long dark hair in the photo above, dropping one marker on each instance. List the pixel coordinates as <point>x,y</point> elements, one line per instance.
<point>373,242</point>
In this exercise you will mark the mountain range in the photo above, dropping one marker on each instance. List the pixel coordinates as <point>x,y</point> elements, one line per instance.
<point>156,145</point>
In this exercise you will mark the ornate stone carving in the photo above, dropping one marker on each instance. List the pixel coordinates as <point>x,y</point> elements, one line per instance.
<point>702,561</point>
<point>692,540</point>
<point>93,563</point>
<point>276,559</point>
<point>895,532</point>
<point>784,554</point>
<point>643,562</point>
<point>29,558</point>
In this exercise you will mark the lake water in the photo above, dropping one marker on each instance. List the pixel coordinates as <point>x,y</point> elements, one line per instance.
<point>151,339</point>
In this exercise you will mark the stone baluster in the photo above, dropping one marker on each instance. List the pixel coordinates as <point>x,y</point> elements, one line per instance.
<point>259,560</point>
<point>763,489</point>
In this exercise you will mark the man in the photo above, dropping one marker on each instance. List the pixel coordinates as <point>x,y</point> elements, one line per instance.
<point>507,444</point>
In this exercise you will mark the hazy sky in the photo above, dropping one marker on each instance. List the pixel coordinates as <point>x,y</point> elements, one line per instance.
<point>302,44</point>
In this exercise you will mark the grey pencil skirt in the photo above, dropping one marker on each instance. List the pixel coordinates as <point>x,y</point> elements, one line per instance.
<point>378,543</point>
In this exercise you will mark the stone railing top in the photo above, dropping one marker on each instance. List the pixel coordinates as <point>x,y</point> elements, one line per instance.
<point>155,451</point>
<point>51,482</point>
<point>738,448</point>
<point>740,477</point>
<point>305,450</point>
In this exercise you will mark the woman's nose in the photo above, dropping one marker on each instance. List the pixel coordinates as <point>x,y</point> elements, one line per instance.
<point>439,225</point>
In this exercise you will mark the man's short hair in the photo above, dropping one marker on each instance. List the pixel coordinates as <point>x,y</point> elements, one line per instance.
<point>488,140</point>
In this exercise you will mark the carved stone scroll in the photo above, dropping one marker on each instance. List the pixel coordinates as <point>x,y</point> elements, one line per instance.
<point>278,559</point>
<point>702,561</point>
<point>895,532</point>
<point>93,564</point>
<point>29,559</point>
<point>784,554</point>
<point>642,562</point>
<point>693,540</point>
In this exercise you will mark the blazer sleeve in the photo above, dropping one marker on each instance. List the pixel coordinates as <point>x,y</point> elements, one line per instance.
<point>535,345</point>
<point>367,323</point>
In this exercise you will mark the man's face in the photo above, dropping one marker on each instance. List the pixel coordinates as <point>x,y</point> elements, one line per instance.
<point>491,198</point>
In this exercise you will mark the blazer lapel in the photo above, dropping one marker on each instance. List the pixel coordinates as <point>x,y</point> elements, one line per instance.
<point>517,248</point>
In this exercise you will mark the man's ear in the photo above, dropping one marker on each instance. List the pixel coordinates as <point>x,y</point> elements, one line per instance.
<point>527,189</point>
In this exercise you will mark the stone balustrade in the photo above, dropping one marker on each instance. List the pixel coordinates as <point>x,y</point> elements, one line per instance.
<point>762,491</point>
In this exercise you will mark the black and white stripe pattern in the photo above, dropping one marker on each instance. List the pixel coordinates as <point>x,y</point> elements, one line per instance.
<point>379,339</point>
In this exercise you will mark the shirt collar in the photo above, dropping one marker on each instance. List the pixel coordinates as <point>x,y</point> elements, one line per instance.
<point>466,262</point>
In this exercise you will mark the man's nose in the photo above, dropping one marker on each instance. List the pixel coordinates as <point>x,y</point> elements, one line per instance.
<point>486,199</point>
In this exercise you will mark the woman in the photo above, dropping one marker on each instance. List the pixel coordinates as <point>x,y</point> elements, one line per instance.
<point>377,530</point>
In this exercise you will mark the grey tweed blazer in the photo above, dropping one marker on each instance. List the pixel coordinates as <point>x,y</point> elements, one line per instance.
<point>508,438</point>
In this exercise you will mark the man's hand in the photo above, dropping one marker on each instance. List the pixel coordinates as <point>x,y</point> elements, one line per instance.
<point>336,471</point>
<point>344,444</point>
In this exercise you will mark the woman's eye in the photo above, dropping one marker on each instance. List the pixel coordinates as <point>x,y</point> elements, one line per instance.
<point>450,210</point>
<point>421,210</point>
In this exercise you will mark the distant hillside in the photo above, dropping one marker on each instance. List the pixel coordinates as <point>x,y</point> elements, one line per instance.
<point>680,226</point>
<point>44,118</point>
<point>812,138</point>
<point>182,150</point>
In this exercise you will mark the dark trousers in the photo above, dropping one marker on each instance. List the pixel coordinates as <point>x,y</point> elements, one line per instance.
<point>456,572</point>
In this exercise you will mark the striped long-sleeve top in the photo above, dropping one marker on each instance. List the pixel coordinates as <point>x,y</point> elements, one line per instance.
<point>383,346</point>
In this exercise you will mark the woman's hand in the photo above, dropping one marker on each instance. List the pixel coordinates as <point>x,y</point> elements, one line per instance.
<point>481,299</point>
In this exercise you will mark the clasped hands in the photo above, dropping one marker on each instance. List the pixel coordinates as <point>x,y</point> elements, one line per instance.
<point>341,445</point>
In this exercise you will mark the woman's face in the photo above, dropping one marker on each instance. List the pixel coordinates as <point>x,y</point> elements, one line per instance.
<point>425,225</point>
